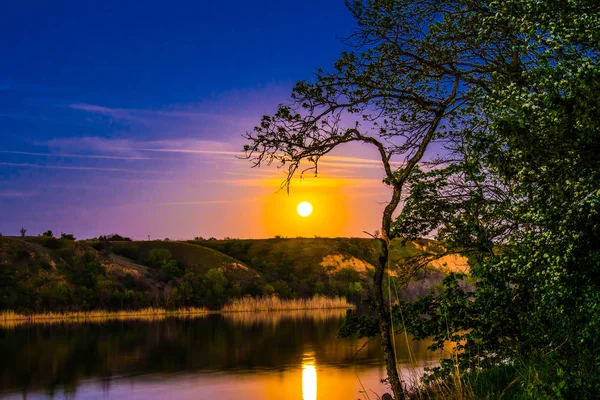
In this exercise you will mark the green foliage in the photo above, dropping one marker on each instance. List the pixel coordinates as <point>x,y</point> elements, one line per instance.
<point>115,238</point>
<point>52,243</point>
<point>162,259</point>
<point>217,286</point>
<point>48,233</point>
<point>518,193</point>
<point>158,257</point>
<point>67,236</point>
<point>283,289</point>
<point>49,274</point>
<point>522,201</point>
<point>361,326</point>
<point>348,275</point>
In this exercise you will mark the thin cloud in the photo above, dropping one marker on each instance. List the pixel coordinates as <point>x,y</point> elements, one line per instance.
<point>142,115</point>
<point>131,147</point>
<point>266,173</point>
<point>305,182</point>
<point>329,161</point>
<point>350,165</point>
<point>197,147</point>
<point>66,155</point>
<point>191,151</point>
<point>16,194</point>
<point>194,203</point>
<point>25,165</point>
<point>344,159</point>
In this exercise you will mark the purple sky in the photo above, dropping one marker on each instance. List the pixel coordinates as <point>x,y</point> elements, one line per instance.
<point>128,119</point>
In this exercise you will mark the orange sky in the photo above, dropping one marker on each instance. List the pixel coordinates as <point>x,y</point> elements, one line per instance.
<point>347,197</point>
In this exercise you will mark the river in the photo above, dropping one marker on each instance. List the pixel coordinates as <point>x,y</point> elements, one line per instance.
<point>251,356</point>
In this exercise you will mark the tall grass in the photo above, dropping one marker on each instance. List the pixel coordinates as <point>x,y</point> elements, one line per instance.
<point>10,318</point>
<point>274,303</point>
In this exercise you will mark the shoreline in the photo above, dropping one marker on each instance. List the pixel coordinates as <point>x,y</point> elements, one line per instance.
<point>244,305</point>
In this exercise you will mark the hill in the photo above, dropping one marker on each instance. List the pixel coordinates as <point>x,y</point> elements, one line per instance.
<point>48,274</point>
<point>189,256</point>
<point>342,265</point>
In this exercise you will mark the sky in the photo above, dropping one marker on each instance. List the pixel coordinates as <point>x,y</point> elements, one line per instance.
<point>127,117</point>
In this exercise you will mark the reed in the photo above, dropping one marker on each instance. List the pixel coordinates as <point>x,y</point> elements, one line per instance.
<point>274,303</point>
<point>11,318</point>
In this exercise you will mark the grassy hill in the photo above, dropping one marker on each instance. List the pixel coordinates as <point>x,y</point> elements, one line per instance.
<point>192,257</point>
<point>48,274</point>
<point>342,265</point>
<point>312,254</point>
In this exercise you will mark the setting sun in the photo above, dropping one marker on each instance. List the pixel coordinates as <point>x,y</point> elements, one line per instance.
<point>304,209</point>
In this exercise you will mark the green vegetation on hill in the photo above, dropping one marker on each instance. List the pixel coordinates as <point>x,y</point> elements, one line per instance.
<point>300,252</point>
<point>308,266</point>
<point>189,256</point>
<point>43,274</point>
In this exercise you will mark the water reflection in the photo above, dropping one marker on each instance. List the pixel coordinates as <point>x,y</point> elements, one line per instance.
<point>309,378</point>
<point>227,357</point>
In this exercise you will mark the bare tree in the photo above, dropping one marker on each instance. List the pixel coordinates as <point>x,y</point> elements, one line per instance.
<point>23,232</point>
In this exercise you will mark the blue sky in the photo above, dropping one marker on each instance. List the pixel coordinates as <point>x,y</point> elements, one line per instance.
<point>126,117</point>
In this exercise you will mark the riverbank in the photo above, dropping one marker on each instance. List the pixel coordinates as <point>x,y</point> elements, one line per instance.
<point>271,303</point>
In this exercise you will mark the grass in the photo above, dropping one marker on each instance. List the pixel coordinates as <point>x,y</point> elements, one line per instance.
<point>274,303</point>
<point>520,381</point>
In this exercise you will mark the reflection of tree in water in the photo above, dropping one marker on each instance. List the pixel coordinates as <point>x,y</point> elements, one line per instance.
<point>52,356</point>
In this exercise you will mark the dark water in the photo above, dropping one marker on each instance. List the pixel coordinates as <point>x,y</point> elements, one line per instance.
<point>236,356</point>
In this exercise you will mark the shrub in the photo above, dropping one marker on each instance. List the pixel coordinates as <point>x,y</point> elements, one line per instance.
<point>67,236</point>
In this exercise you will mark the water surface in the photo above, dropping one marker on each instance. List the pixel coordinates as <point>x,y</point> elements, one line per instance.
<point>251,356</point>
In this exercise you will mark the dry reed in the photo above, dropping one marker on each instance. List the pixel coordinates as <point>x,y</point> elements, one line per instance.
<point>10,318</point>
<point>274,303</point>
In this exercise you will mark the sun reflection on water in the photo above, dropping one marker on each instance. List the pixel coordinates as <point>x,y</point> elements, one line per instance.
<point>309,379</point>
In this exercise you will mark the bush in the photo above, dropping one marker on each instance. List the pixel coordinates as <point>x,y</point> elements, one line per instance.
<point>157,257</point>
<point>52,243</point>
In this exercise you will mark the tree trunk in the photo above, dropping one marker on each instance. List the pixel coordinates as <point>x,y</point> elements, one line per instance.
<point>385,323</point>
<point>383,313</point>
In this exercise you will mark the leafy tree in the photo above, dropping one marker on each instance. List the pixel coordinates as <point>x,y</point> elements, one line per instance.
<point>171,268</point>
<point>411,77</point>
<point>163,259</point>
<point>282,289</point>
<point>114,238</point>
<point>67,236</point>
<point>522,201</point>
<point>421,71</point>
<point>217,282</point>
<point>158,257</point>
<point>48,233</point>
<point>319,287</point>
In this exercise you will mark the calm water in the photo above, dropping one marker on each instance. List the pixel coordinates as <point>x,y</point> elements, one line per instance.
<point>226,357</point>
